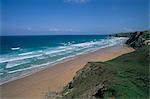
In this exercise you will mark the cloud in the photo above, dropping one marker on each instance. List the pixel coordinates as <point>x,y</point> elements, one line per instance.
<point>76,1</point>
<point>54,30</point>
<point>62,30</point>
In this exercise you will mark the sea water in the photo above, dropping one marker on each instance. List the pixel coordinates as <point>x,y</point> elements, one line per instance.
<point>21,55</point>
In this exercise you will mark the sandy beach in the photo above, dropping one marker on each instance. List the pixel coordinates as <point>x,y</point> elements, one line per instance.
<point>54,78</point>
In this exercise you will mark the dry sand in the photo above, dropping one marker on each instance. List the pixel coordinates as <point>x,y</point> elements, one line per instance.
<point>54,78</point>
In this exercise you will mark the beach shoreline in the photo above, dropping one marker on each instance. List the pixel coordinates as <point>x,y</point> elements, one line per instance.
<point>23,72</point>
<point>54,78</point>
<point>48,65</point>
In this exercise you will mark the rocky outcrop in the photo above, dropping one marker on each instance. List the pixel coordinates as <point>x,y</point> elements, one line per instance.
<point>136,40</point>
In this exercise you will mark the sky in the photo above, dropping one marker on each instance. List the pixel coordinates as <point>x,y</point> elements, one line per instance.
<point>61,17</point>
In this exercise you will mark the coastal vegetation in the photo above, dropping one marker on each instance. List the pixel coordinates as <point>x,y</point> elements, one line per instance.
<point>126,76</point>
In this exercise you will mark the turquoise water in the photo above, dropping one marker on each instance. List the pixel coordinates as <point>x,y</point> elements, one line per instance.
<point>20,55</point>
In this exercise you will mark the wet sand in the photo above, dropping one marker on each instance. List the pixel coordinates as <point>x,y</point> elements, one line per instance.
<point>54,78</point>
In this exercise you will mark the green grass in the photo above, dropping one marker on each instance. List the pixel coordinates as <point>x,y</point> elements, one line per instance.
<point>146,34</point>
<point>131,74</point>
<point>124,77</point>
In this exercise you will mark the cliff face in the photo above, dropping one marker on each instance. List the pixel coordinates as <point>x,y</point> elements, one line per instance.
<point>139,39</point>
<point>124,77</point>
<point>136,40</point>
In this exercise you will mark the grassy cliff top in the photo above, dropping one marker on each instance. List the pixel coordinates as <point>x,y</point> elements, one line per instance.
<point>126,77</point>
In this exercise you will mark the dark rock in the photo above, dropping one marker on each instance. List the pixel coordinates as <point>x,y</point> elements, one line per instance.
<point>70,85</point>
<point>135,40</point>
<point>99,91</point>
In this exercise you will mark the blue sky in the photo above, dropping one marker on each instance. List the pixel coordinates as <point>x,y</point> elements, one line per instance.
<point>52,17</point>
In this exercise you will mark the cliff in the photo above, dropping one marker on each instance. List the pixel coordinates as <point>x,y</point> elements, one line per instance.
<point>124,77</point>
<point>138,39</point>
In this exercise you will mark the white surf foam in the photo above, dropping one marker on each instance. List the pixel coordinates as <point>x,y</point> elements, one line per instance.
<point>15,48</point>
<point>2,60</point>
<point>73,49</point>
<point>26,53</point>
<point>15,63</point>
<point>67,51</point>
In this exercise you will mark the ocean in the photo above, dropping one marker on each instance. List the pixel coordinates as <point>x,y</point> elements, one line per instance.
<point>22,55</point>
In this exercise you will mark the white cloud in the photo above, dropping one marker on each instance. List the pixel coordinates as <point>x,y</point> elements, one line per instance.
<point>62,30</point>
<point>53,30</point>
<point>76,1</point>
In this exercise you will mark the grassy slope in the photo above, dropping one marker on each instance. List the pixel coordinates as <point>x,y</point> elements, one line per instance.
<point>146,35</point>
<point>126,76</point>
<point>131,74</point>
